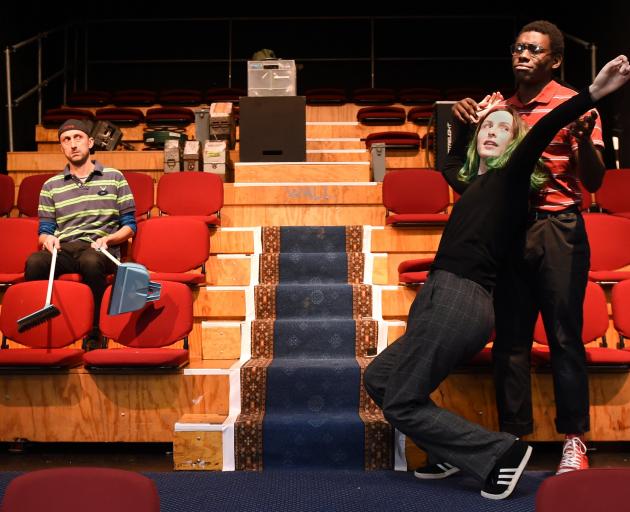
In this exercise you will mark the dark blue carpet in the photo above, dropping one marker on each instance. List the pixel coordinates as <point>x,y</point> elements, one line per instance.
<point>314,301</point>
<point>312,239</point>
<point>320,338</point>
<point>312,400</point>
<point>314,268</point>
<point>326,491</point>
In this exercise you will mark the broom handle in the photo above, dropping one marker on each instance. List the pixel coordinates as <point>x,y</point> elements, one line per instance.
<point>106,253</point>
<point>51,276</point>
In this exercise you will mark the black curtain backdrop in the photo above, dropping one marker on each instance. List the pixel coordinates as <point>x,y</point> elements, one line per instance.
<point>471,31</point>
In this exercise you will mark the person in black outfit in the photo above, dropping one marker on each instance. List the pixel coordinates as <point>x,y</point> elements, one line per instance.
<point>452,317</point>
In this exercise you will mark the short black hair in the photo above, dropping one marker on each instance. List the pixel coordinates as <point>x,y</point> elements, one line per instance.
<point>556,38</point>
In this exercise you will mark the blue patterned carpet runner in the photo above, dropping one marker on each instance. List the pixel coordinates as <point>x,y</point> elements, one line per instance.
<point>303,404</point>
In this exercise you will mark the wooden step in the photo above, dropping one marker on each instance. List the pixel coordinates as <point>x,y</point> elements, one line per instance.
<point>198,442</point>
<point>335,143</point>
<point>56,161</point>
<point>421,241</point>
<point>78,406</point>
<point>325,155</point>
<point>277,172</point>
<point>356,193</point>
<point>347,129</point>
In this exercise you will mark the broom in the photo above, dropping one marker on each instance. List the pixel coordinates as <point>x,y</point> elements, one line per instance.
<point>49,310</point>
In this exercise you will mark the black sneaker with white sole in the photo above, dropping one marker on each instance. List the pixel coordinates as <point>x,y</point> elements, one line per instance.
<point>507,472</point>
<point>435,471</point>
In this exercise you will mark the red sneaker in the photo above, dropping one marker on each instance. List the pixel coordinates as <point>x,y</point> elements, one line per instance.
<point>573,455</point>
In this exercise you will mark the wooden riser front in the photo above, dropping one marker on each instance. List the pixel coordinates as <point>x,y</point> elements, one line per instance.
<point>83,407</point>
<point>277,172</point>
<point>277,215</point>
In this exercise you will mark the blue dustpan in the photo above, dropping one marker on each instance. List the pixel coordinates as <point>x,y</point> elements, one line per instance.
<point>132,288</point>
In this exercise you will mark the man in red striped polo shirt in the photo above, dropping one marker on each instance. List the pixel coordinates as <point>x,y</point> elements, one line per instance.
<point>549,269</point>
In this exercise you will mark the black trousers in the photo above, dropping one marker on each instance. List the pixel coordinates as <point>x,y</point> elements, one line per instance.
<point>548,273</point>
<point>74,257</point>
<point>449,321</point>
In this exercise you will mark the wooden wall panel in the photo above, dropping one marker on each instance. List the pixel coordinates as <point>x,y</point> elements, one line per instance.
<point>80,406</point>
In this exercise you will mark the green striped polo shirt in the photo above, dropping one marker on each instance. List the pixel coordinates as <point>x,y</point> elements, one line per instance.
<point>86,211</point>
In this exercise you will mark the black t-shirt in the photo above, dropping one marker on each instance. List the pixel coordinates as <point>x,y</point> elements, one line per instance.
<point>493,209</point>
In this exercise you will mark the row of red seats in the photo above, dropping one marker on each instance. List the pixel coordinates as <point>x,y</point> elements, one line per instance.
<point>608,237</point>
<point>144,334</point>
<point>197,194</point>
<point>415,197</point>
<point>595,308</point>
<point>156,245</point>
<point>321,96</point>
<point>125,116</point>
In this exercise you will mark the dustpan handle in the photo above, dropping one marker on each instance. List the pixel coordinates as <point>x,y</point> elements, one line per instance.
<point>106,253</point>
<point>51,276</point>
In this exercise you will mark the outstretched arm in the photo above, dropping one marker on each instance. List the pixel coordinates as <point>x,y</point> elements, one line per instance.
<point>611,77</point>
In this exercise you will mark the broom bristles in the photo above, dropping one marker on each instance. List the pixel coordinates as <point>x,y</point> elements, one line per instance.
<point>39,317</point>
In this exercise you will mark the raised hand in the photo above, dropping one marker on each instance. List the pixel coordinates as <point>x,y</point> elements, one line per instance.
<point>611,77</point>
<point>583,127</point>
<point>489,102</point>
<point>465,110</point>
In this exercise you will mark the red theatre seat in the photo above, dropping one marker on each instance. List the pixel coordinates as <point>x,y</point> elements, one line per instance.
<point>21,236</point>
<point>419,96</point>
<point>381,115</point>
<point>192,194</point>
<point>142,97</point>
<point>326,96</point>
<point>146,333</point>
<point>180,97</point>
<point>7,194</point>
<point>47,341</point>
<point>171,247</point>
<point>415,197</point>
<point>142,188</point>
<point>28,193</point>
<point>374,96</point>
<point>55,116</point>
<point>89,98</point>
<point>614,194</point>
<point>221,94</point>
<point>180,116</point>
<point>394,140</point>
<point>595,326</point>
<point>620,303</point>
<point>420,114</point>
<point>71,489</point>
<point>608,237</point>
<point>120,115</point>
<point>588,490</point>
<point>413,272</point>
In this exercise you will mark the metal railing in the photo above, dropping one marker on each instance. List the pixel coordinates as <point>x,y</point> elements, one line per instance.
<point>42,82</point>
<point>77,64</point>
<point>591,48</point>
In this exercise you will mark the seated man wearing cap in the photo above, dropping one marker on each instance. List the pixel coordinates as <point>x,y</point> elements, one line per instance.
<point>84,208</point>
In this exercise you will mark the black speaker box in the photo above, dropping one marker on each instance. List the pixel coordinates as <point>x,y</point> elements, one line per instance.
<point>445,128</point>
<point>272,129</point>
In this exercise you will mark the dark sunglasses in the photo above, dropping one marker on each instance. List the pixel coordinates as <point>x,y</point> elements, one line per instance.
<point>533,49</point>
